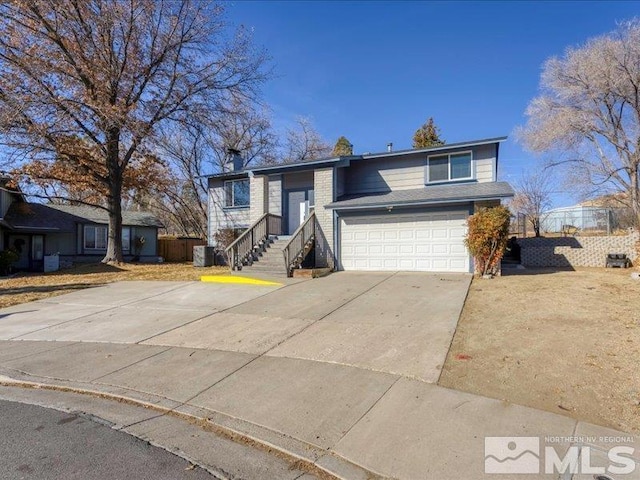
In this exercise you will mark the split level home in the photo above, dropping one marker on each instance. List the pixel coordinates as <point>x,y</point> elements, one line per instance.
<point>395,210</point>
<point>74,233</point>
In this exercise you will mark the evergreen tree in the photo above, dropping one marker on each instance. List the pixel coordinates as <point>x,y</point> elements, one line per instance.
<point>343,147</point>
<point>428,135</point>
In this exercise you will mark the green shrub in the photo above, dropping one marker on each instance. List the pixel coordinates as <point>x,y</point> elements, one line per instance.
<point>487,238</point>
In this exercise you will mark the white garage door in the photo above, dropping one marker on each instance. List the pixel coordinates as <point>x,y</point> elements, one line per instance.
<point>428,242</point>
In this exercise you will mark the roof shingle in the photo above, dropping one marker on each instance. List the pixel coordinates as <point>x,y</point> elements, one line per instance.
<point>63,218</point>
<point>430,194</point>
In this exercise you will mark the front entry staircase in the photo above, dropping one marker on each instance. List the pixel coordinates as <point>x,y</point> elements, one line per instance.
<point>270,261</point>
<point>262,249</point>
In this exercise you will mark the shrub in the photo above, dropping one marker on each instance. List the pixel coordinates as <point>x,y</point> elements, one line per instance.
<point>7,257</point>
<point>487,238</point>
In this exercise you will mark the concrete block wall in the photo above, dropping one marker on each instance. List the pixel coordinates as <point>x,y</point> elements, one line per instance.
<point>576,251</point>
<point>324,195</point>
<point>259,197</point>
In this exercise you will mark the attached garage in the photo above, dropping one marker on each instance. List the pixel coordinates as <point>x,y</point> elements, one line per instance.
<point>425,241</point>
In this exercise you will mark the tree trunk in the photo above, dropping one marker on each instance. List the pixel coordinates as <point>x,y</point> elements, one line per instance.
<point>536,226</point>
<point>114,238</point>
<point>114,199</point>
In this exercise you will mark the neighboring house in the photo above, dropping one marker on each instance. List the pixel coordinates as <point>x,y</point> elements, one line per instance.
<point>76,233</point>
<point>403,210</point>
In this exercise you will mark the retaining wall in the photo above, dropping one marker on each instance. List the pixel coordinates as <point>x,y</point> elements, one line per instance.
<point>576,251</point>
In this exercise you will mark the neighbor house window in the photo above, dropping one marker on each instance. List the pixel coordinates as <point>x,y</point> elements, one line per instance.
<point>443,168</point>
<point>95,237</point>
<point>236,193</point>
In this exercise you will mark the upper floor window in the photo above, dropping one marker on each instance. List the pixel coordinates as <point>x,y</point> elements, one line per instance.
<point>454,166</point>
<point>236,193</point>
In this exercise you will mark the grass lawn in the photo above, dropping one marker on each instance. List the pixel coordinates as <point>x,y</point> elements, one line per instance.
<point>34,286</point>
<point>563,341</point>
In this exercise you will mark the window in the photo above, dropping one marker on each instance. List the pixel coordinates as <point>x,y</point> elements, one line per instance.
<point>95,238</point>
<point>443,168</point>
<point>236,193</point>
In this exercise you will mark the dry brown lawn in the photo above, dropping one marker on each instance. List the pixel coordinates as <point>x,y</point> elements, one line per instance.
<point>34,286</point>
<point>563,341</point>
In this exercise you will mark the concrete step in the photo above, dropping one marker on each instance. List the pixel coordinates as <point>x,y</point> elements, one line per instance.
<point>263,268</point>
<point>265,271</point>
<point>274,249</point>
<point>270,253</point>
<point>269,264</point>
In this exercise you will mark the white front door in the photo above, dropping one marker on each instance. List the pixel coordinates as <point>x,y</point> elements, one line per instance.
<point>304,211</point>
<point>429,242</point>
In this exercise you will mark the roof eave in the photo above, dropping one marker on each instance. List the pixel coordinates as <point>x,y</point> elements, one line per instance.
<point>331,162</point>
<point>345,160</point>
<point>417,203</point>
<point>449,146</point>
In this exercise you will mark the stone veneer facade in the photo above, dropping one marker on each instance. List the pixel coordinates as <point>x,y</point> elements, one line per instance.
<point>323,182</point>
<point>258,186</point>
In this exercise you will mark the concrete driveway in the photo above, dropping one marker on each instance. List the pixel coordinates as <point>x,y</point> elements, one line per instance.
<point>399,323</point>
<point>337,371</point>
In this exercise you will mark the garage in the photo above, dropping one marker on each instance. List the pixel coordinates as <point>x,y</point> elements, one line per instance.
<point>426,242</point>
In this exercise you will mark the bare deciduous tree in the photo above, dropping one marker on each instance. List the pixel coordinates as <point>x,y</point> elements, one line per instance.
<point>305,143</point>
<point>85,85</point>
<point>533,197</point>
<point>200,149</point>
<point>588,114</point>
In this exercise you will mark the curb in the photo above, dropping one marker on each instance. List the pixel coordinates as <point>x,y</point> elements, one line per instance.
<point>322,464</point>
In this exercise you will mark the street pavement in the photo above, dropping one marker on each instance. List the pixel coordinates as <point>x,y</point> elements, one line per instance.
<point>46,444</point>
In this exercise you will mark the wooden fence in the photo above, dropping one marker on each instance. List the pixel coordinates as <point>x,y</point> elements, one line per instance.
<point>178,249</point>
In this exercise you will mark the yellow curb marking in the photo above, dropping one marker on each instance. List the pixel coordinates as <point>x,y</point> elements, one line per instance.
<point>235,280</point>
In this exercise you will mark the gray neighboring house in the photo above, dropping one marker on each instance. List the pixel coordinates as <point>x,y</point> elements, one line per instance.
<point>76,233</point>
<point>403,210</point>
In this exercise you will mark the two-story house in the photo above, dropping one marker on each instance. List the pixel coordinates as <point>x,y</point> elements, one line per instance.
<point>403,210</point>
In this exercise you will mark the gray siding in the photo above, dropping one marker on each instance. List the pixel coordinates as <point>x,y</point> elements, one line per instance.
<point>220,217</point>
<point>299,180</point>
<point>408,172</point>
<point>150,247</point>
<point>5,200</point>
<point>62,243</point>
<point>484,161</point>
<point>341,174</point>
<point>275,194</point>
<point>385,174</point>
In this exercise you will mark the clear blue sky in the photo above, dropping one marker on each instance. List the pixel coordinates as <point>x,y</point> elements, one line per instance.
<point>375,71</point>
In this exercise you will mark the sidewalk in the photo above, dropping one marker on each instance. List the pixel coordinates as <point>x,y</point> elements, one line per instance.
<point>334,377</point>
<point>347,421</point>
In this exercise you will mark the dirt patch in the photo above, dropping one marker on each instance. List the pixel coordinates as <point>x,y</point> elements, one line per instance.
<point>34,286</point>
<point>563,341</point>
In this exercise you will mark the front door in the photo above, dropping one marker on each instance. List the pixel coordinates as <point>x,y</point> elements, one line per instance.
<point>21,244</point>
<point>30,250</point>
<point>299,203</point>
